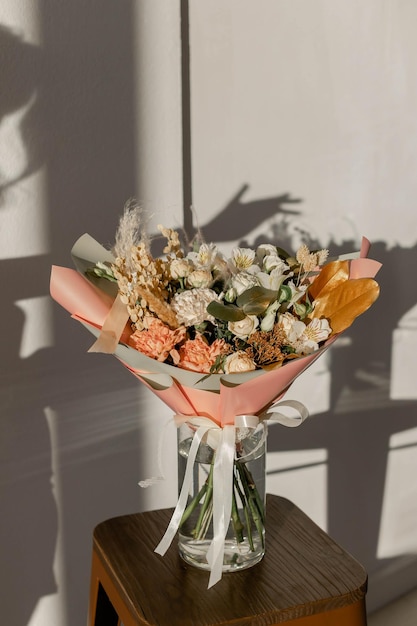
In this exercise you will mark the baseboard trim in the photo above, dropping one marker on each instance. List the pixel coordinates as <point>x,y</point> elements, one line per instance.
<point>391,582</point>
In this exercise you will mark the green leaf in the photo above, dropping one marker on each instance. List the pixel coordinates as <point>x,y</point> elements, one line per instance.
<point>225,312</point>
<point>283,253</point>
<point>256,300</point>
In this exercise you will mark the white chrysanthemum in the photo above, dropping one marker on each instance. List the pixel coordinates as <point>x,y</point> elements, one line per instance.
<point>242,258</point>
<point>190,306</point>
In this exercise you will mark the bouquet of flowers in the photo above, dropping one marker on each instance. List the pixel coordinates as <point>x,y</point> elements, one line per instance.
<point>219,339</point>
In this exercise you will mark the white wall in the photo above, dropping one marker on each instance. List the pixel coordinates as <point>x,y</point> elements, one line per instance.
<point>310,107</point>
<point>302,125</point>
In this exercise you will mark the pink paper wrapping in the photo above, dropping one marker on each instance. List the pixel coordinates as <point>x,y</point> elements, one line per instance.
<point>232,397</point>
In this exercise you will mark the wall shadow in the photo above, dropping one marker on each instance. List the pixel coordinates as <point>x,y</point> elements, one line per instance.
<point>28,525</point>
<point>89,113</point>
<point>356,430</point>
<point>77,122</point>
<point>21,70</point>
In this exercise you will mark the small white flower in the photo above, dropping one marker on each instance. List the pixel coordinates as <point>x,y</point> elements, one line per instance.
<point>244,328</point>
<point>297,292</point>
<point>243,281</point>
<point>305,339</point>
<point>273,280</point>
<point>190,306</point>
<point>205,257</point>
<point>238,362</point>
<point>273,261</point>
<point>199,279</point>
<point>318,330</point>
<point>242,258</point>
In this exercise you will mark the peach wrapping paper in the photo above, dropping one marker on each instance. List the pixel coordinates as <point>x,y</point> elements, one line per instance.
<point>219,397</point>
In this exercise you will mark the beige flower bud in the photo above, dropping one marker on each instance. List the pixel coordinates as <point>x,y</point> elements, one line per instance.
<point>238,362</point>
<point>179,268</point>
<point>200,279</point>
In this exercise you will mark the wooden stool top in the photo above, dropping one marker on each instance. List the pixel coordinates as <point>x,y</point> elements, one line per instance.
<point>303,573</point>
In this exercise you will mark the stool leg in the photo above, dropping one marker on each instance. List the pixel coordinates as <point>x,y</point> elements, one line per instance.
<point>101,611</point>
<point>105,613</point>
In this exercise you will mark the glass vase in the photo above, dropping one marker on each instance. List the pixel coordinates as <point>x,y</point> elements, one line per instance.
<point>245,539</point>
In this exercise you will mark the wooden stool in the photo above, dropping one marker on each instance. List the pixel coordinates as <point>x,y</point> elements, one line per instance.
<point>304,579</point>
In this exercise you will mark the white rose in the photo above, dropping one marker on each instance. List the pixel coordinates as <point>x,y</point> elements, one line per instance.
<point>179,268</point>
<point>238,362</point>
<point>200,279</point>
<point>244,328</point>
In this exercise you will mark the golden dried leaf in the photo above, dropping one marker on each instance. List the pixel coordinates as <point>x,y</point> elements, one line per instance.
<point>343,304</point>
<point>329,278</point>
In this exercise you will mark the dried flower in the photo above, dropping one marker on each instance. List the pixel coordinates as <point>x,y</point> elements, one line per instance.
<point>265,348</point>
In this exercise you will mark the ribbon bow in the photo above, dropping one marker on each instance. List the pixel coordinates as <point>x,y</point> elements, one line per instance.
<point>222,439</point>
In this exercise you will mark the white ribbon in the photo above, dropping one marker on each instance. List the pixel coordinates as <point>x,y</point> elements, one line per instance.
<point>222,439</point>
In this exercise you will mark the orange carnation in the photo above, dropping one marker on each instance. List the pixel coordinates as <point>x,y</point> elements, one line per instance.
<point>197,355</point>
<point>157,341</point>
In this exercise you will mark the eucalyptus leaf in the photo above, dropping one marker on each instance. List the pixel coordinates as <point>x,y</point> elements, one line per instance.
<point>282,253</point>
<point>256,300</point>
<point>225,312</point>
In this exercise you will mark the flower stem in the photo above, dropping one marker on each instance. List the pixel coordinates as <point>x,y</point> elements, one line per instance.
<point>252,498</point>
<point>194,502</point>
<point>255,493</point>
<point>245,510</point>
<point>237,524</point>
<point>206,504</point>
